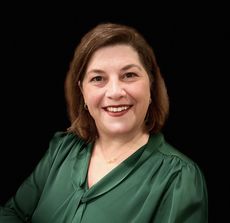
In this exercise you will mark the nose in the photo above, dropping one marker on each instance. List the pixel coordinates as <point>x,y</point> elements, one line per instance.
<point>115,90</point>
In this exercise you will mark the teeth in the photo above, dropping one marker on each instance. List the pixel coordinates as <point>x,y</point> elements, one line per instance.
<point>117,109</point>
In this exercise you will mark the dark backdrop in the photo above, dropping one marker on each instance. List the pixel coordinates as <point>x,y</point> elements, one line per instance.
<point>190,46</point>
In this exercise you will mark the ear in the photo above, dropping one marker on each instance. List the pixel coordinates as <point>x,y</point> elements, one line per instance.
<point>80,86</point>
<point>79,83</point>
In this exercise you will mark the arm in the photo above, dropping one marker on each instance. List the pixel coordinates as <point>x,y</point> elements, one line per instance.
<point>186,199</point>
<point>20,207</point>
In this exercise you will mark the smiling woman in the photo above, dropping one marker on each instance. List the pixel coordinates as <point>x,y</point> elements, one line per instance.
<point>113,163</point>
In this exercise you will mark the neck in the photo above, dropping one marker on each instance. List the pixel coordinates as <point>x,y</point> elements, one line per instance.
<point>112,147</point>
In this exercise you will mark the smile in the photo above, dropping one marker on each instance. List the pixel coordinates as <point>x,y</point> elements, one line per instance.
<point>117,108</point>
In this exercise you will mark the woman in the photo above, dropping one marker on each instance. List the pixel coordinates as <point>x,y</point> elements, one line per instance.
<point>113,164</point>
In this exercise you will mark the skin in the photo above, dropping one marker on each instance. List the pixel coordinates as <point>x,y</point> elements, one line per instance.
<point>116,89</point>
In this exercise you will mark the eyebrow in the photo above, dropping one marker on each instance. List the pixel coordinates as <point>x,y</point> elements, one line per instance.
<point>122,69</point>
<point>130,66</point>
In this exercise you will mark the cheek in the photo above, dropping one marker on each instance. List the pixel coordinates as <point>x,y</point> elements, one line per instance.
<point>92,104</point>
<point>142,92</point>
<point>92,98</point>
<point>87,94</point>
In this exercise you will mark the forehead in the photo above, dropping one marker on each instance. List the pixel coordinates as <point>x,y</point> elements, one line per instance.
<point>114,55</point>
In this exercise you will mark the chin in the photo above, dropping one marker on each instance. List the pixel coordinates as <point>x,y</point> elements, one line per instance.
<point>119,129</point>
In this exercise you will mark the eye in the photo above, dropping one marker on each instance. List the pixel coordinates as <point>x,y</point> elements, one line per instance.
<point>97,79</point>
<point>130,75</point>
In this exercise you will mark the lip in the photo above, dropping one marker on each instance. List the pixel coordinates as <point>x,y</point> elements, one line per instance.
<point>117,110</point>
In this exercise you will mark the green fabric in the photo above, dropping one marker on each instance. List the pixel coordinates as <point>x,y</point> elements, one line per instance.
<point>156,184</point>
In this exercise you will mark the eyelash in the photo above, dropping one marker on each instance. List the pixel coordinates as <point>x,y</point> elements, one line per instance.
<point>95,79</point>
<point>124,76</point>
<point>133,75</point>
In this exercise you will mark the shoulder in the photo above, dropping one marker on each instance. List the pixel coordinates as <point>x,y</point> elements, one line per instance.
<point>173,160</point>
<point>61,137</point>
<point>168,151</point>
<point>64,144</point>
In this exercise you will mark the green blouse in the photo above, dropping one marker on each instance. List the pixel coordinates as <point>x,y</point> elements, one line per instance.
<point>155,184</point>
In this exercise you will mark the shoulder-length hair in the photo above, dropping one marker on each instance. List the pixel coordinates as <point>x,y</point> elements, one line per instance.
<point>106,34</point>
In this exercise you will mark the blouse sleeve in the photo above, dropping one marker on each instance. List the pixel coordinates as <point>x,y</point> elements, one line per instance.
<point>186,199</point>
<point>21,206</point>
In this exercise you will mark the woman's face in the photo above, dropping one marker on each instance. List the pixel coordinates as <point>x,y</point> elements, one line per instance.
<point>116,89</point>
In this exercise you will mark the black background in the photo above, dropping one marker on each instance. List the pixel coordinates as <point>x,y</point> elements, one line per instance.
<point>190,44</point>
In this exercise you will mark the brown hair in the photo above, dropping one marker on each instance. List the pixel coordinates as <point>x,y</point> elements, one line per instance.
<point>102,35</point>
